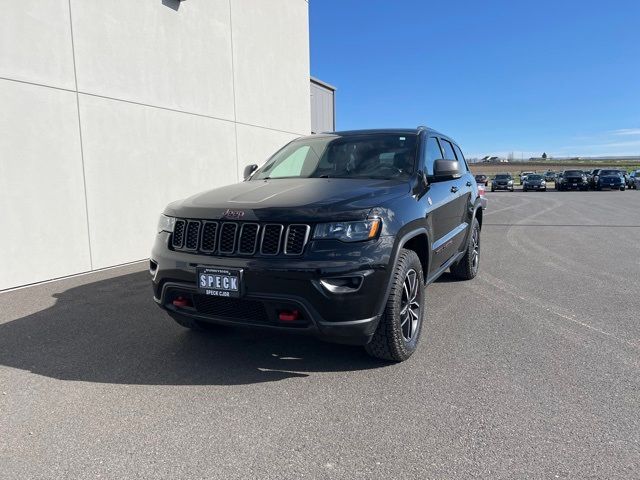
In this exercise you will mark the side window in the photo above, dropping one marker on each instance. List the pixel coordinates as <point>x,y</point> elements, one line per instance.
<point>292,165</point>
<point>448,149</point>
<point>461,160</point>
<point>433,153</point>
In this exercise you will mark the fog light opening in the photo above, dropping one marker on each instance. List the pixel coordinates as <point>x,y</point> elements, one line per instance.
<point>342,284</point>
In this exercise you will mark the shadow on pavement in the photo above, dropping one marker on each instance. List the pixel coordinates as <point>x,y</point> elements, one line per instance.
<point>111,331</point>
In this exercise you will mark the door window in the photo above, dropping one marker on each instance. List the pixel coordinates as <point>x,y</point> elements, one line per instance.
<point>433,153</point>
<point>448,149</point>
<point>461,159</point>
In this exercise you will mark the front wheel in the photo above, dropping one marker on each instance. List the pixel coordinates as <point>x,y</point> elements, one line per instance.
<point>467,268</point>
<point>398,332</point>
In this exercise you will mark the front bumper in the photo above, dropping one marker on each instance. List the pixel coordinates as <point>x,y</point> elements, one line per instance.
<point>501,187</point>
<point>271,285</point>
<point>569,185</point>
<point>611,184</point>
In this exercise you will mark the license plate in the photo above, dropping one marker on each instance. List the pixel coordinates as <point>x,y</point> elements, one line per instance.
<point>220,282</point>
<point>575,184</point>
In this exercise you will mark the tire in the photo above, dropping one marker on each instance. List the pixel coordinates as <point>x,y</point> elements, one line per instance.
<point>467,268</point>
<point>398,333</point>
<point>493,189</point>
<point>524,189</point>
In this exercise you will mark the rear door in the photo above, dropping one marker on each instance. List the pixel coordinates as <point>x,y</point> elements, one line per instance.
<point>461,194</point>
<point>444,215</point>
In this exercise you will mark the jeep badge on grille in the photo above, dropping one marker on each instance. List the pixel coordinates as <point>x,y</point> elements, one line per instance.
<point>237,214</point>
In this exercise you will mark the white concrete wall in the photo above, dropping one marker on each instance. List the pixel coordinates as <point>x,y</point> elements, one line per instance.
<point>110,110</point>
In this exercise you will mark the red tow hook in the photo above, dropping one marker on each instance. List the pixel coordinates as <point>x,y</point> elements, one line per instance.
<point>182,302</point>
<point>289,315</point>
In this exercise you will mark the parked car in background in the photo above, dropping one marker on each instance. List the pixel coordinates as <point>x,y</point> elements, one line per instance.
<point>612,179</point>
<point>591,176</point>
<point>634,178</point>
<point>572,180</point>
<point>534,181</point>
<point>549,176</point>
<point>523,176</point>
<point>502,181</point>
<point>482,179</point>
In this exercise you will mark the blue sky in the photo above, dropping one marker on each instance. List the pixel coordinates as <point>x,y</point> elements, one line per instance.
<point>499,76</point>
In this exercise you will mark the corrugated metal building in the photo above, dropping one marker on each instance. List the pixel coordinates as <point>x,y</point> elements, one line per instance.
<point>323,106</point>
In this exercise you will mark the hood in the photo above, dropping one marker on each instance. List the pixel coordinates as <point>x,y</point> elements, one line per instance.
<point>291,199</point>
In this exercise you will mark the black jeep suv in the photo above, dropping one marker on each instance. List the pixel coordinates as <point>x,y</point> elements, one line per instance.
<point>336,235</point>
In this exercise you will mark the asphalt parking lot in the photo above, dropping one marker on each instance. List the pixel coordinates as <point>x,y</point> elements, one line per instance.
<point>532,370</point>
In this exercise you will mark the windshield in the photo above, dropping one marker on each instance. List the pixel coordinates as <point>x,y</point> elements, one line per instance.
<point>534,177</point>
<point>573,172</point>
<point>503,177</point>
<point>610,172</point>
<point>381,156</point>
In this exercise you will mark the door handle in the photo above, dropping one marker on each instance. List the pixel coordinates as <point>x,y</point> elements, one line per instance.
<point>468,184</point>
<point>454,189</point>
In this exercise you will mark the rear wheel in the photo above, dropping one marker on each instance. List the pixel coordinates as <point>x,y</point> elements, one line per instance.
<point>467,268</point>
<point>398,332</point>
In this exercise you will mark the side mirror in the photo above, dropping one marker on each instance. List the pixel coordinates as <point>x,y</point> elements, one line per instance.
<point>248,170</point>
<point>446,168</point>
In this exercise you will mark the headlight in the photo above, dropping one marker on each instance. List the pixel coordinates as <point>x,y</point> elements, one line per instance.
<point>348,231</point>
<point>166,224</point>
<point>510,182</point>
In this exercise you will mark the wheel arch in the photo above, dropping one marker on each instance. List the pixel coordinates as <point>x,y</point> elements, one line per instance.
<point>419,243</point>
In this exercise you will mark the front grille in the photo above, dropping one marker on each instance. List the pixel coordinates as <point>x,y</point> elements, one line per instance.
<point>178,234</point>
<point>271,235</point>
<point>248,238</point>
<point>239,238</point>
<point>228,237</point>
<point>297,236</point>
<point>193,234</point>
<point>231,308</point>
<point>209,233</point>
